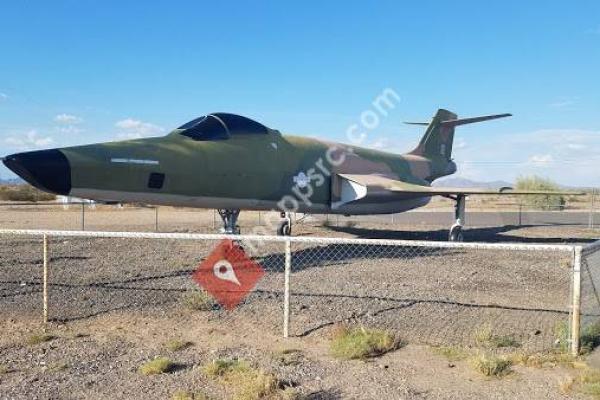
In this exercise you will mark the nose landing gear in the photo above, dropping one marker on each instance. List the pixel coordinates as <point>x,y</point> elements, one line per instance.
<point>285,226</point>
<point>230,218</point>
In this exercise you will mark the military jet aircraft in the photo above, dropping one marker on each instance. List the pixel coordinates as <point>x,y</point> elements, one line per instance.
<point>232,163</point>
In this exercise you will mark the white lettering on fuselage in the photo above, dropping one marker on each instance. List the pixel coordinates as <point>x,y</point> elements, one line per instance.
<point>133,161</point>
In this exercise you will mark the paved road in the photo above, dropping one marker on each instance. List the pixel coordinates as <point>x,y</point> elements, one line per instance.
<point>483,218</point>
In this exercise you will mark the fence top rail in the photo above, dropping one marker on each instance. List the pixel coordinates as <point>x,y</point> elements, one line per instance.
<point>294,239</point>
<point>592,247</point>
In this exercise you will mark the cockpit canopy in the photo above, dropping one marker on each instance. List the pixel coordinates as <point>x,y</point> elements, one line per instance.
<point>221,126</point>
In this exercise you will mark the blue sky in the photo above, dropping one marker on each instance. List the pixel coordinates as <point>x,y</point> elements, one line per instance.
<point>74,72</point>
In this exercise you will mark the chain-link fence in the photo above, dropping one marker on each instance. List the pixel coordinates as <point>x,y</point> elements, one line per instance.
<point>103,217</point>
<point>429,292</point>
<point>589,288</point>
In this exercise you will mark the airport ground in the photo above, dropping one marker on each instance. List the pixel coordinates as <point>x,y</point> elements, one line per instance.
<point>107,335</point>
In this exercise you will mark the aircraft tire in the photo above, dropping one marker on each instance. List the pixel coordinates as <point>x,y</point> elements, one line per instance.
<point>456,234</point>
<point>284,228</point>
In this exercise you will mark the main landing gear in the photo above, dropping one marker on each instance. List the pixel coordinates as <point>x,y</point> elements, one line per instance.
<point>456,230</point>
<point>285,226</point>
<point>230,217</point>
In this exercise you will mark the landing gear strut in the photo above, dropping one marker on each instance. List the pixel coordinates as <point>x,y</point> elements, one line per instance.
<point>456,230</point>
<point>285,226</point>
<point>230,218</point>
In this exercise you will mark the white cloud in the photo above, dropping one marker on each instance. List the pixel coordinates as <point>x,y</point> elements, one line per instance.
<point>69,129</point>
<point>562,103</point>
<point>29,140</point>
<point>3,97</point>
<point>135,129</point>
<point>67,119</point>
<point>541,159</point>
<point>459,143</point>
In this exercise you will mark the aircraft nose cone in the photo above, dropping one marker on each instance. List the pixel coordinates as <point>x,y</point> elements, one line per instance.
<point>47,170</point>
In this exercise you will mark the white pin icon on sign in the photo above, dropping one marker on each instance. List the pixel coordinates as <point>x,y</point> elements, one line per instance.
<point>224,270</point>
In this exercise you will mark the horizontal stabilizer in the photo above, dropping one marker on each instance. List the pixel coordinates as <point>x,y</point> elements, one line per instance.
<point>464,121</point>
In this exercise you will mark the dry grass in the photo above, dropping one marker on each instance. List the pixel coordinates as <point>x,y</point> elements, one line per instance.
<point>199,300</point>
<point>288,357</point>
<point>159,365</point>
<point>565,386</point>
<point>24,192</point>
<point>350,343</point>
<point>185,395</point>
<point>543,360</point>
<point>4,369</point>
<point>452,353</point>
<point>57,367</point>
<point>589,382</point>
<point>248,383</point>
<point>39,338</point>
<point>484,337</point>
<point>491,365</point>
<point>177,344</point>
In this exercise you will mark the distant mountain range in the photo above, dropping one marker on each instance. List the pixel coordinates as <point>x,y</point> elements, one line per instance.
<point>467,183</point>
<point>11,181</point>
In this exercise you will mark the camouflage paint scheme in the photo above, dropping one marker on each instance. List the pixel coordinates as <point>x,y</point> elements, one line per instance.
<point>257,171</point>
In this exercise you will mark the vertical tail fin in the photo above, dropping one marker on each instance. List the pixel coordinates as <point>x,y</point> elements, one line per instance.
<point>438,138</point>
<point>436,143</point>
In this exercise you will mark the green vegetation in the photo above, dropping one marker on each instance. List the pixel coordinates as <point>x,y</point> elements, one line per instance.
<point>199,300</point>
<point>589,382</point>
<point>561,333</point>
<point>184,395</point>
<point>490,365</point>
<point>24,193</point>
<point>248,383</point>
<point>176,344</point>
<point>39,338</point>
<point>359,343</point>
<point>159,365</point>
<point>484,337</point>
<point>543,202</point>
<point>590,337</point>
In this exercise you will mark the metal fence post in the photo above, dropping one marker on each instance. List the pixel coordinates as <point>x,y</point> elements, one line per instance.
<point>45,279</point>
<point>576,302</point>
<point>83,216</point>
<point>591,216</point>
<point>156,219</point>
<point>286,290</point>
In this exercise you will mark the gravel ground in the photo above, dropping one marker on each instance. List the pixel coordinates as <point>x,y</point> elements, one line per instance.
<point>115,302</point>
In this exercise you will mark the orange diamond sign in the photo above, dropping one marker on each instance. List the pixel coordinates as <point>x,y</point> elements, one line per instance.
<point>228,274</point>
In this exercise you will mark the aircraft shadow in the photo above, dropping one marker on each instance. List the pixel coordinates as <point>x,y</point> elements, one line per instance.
<point>485,234</point>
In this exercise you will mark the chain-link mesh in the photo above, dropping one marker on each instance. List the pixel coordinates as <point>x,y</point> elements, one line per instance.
<point>89,277</point>
<point>590,297</point>
<point>432,293</point>
<point>102,217</point>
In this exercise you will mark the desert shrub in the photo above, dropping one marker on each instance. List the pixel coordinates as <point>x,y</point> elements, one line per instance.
<point>159,365</point>
<point>246,382</point>
<point>24,193</point>
<point>199,300</point>
<point>490,365</point>
<point>359,343</point>
<point>541,201</point>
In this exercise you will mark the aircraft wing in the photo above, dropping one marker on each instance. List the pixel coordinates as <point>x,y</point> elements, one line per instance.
<point>379,183</point>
